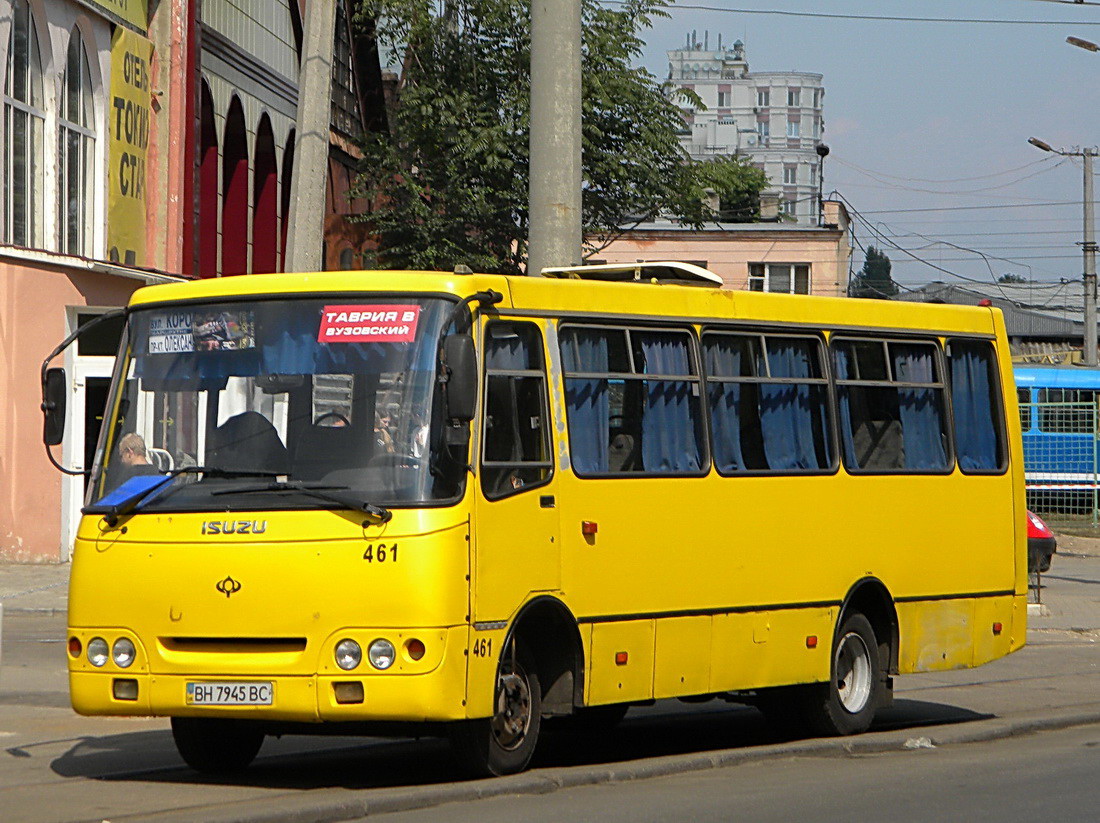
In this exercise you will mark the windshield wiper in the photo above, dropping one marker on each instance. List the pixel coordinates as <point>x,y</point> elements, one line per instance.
<point>160,487</point>
<point>320,491</point>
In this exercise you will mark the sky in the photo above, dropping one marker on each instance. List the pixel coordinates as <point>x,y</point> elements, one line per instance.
<point>928,122</point>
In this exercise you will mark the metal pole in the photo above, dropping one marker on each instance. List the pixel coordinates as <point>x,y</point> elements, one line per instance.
<point>1089,247</point>
<point>554,208</point>
<point>306,227</point>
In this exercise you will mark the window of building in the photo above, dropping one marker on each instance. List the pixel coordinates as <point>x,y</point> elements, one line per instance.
<point>891,402</point>
<point>794,128</point>
<point>763,130</point>
<point>24,121</point>
<point>516,451</point>
<point>633,402</point>
<point>819,94</point>
<point>75,150</point>
<point>768,400</point>
<point>790,175</point>
<point>794,97</point>
<point>784,278</point>
<point>345,107</point>
<point>763,98</point>
<point>724,99</point>
<point>976,406</point>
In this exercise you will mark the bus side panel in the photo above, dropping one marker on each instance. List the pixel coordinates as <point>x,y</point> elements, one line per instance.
<point>771,647</point>
<point>683,656</point>
<point>612,681</point>
<point>953,634</point>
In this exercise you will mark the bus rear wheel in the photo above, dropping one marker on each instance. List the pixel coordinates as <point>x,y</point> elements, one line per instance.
<point>504,743</point>
<point>846,703</point>
<point>215,746</point>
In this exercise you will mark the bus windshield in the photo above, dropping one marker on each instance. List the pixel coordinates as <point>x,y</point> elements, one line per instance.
<point>276,398</point>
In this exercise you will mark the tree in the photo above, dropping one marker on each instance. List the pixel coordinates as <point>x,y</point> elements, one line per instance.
<point>874,280</point>
<point>1011,278</point>
<point>449,183</point>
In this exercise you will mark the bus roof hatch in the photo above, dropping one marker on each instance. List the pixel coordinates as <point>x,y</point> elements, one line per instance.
<point>662,272</point>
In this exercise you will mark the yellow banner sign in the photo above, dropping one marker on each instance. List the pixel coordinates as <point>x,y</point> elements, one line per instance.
<point>134,12</point>
<point>128,121</point>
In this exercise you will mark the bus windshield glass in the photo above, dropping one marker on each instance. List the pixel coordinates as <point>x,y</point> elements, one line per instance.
<point>277,400</point>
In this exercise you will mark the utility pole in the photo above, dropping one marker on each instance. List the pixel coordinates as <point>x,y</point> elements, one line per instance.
<point>306,227</point>
<point>1088,247</point>
<point>554,198</point>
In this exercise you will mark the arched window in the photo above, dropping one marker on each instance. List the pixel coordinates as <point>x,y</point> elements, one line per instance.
<point>265,201</point>
<point>208,187</point>
<point>24,121</point>
<point>75,146</point>
<point>284,195</point>
<point>235,191</point>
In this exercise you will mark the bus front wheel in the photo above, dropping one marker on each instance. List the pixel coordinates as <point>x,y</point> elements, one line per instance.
<point>215,746</point>
<point>846,703</point>
<point>504,743</point>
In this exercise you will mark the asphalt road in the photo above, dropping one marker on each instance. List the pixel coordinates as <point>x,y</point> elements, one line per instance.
<point>1050,776</point>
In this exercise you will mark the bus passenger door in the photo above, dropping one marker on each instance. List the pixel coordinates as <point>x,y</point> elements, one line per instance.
<point>515,541</point>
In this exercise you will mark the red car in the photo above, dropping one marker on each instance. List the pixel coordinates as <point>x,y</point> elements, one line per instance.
<point>1041,544</point>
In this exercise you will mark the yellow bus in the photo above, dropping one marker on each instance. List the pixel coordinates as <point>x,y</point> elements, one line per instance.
<point>456,504</point>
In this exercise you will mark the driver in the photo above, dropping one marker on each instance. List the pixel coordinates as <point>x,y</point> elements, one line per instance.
<point>134,457</point>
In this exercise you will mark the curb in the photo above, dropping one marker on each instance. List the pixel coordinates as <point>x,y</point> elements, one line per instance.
<point>299,809</point>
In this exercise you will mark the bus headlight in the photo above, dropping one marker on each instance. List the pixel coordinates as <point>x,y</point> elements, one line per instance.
<point>381,654</point>
<point>123,652</point>
<point>348,655</point>
<point>98,652</point>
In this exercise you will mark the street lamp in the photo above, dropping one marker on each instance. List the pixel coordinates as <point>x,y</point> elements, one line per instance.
<point>822,152</point>
<point>1088,245</point>
<point>1082,44</point>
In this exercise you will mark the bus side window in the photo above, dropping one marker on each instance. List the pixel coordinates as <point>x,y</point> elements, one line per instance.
<point>516,435</point>
<point>976,405</point>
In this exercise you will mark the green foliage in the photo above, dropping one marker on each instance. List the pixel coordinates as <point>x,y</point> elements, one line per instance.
<point>874,279</point>
<point>450,182</point>
<point>1012,278</point>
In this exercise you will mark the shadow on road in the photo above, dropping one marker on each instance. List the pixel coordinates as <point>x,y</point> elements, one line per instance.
<point>670,728</point>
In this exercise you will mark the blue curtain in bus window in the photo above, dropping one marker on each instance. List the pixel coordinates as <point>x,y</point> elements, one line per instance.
<point>587,401</point>
<point>786,410</point>
<point>512,348</point>
<point>972,401</point>
<point>670,441</point>
<point>725,359</point>
<point>842,363</point>
<point>920,408</point>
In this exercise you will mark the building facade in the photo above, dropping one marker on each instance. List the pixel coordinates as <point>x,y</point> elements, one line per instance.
<point>142,142</point>
<point>776,118</point>
<point>773,257</point>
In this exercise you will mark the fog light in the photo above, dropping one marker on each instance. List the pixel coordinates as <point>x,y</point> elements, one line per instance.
<point>98,652</point>
<point>75,646</point>
<point>348,654</point>
<point>348,692</point>
<point>124,689</point>
<point>123,652</point>
<point>381,654</point>
<point>415,648</point>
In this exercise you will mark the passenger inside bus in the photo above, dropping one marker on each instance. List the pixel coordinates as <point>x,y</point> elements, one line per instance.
<point>134,457</point>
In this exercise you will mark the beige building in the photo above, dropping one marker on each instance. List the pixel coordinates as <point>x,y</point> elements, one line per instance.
<point>774,257</point>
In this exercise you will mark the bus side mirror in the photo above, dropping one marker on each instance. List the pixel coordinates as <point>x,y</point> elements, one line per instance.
<point>54,396</point>
<point>459,355</point>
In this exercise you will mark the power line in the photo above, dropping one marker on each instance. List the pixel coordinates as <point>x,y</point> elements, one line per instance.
<point>875,17</point>
<point>972,208</point>
<point>1044,159</point>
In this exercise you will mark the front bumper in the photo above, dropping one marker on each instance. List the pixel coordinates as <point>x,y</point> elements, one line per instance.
<point>435,695</point>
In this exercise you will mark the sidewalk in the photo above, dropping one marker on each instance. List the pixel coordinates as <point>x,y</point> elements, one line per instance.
<point>34,587</point>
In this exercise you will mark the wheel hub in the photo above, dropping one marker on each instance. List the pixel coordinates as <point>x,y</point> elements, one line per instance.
<point>854,677</point>
<point>513,714</point>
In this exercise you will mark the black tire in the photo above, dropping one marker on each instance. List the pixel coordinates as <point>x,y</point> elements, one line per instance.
<point>504,743</point>
<point>214,746</point>
<point>846,704</point>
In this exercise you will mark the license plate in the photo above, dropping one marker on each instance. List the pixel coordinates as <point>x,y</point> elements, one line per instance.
<point>230,694</point>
